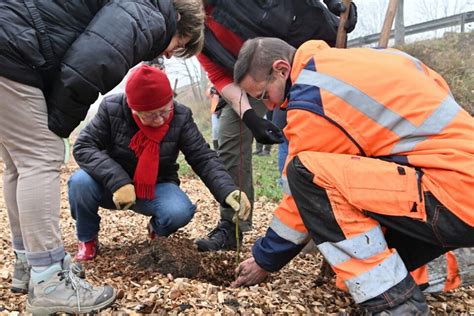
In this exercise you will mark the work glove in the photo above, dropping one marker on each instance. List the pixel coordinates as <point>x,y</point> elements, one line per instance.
<point>239,201</point>
<point>264,131</point>
<point>124,197</point>
<point>337,7</point>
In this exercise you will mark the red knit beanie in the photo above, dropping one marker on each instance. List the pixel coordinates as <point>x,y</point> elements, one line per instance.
<point>147,89</point>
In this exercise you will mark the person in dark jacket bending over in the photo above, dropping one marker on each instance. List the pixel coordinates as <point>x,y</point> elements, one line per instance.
<point>127,155</point>
<point>55,58</point>
<point>228,24</point>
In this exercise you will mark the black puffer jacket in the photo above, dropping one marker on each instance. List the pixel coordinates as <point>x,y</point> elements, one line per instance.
<point>73,50</point>
<point>102,149</point>
<point>294,21</point>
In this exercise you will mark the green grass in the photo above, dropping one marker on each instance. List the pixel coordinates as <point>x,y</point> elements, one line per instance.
<point>265,175</point>
<point>185,170</point>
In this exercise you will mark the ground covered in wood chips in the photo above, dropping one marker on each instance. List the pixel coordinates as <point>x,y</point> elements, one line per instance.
<point>168,276</point>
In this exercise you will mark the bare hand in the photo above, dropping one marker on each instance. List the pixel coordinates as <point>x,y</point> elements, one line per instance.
<point>249,273</point>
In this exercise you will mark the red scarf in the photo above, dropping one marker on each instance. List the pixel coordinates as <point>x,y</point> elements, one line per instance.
<point>146,146</point>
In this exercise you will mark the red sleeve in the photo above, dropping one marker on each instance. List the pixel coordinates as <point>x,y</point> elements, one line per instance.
<point>218,75</point>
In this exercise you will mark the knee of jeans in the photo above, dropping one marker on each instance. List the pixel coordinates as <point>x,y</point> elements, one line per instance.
<point>79,179</point>
<point>176,216</point>
<point>80,183</point>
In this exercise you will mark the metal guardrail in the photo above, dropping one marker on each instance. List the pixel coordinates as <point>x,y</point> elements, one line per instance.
<point>453,20</point>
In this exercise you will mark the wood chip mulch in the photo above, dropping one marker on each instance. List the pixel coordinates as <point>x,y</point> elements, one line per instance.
<point>142,290</point>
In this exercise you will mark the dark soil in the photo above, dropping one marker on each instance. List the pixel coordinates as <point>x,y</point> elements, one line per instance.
<point>178,256</point>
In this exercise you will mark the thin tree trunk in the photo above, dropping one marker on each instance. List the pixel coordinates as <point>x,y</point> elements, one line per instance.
<point>193,83</point>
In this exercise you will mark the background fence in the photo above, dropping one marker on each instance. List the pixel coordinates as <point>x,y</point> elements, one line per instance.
<point>455,20</point>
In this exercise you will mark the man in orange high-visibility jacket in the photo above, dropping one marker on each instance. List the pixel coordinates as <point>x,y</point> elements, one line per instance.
<point>375,139</point>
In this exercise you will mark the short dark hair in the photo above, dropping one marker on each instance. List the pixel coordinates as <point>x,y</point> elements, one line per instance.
<point>257,55</point>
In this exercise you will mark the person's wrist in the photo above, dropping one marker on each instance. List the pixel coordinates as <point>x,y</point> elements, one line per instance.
<point>250,118</point>
<point>242,110</point>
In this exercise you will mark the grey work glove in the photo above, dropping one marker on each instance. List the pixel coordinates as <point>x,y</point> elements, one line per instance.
<point>337,7</point>
<point>240,203</point>
<point>124,197</point>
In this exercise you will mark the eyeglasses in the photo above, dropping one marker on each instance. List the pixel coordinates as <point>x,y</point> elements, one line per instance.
<point>151,116</point>
<point>264,95</point>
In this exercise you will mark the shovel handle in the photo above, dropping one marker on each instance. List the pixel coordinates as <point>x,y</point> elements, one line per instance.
<point>341,39</point>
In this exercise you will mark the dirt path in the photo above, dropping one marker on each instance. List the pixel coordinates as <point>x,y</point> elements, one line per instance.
<point>195,284</point>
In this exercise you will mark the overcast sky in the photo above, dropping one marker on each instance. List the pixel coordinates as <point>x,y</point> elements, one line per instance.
<point>372,13</point>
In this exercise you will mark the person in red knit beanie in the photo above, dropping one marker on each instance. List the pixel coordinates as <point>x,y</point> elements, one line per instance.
<point>127,157</point>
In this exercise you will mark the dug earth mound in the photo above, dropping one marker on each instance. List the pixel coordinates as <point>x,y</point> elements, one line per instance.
<point>178,256</point>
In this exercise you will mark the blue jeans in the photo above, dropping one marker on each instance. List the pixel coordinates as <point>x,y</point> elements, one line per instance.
<point>169,210</point>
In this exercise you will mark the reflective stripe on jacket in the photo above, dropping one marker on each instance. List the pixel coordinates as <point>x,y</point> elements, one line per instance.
<point>404,113</point>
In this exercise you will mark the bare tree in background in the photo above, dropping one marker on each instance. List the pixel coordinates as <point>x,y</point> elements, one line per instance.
<point>435,9</point>
<point>186,69</point>
<point>369,24</point>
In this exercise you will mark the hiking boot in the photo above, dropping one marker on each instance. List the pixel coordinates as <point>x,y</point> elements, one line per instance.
<point>21,274</point>
<point>87,250</point>
<point>415,305</point>
<point>75,267</point>
<point>59,290</point>
<point>220,238</point>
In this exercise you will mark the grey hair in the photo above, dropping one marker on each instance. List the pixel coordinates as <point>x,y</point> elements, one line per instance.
<point>257,55</point>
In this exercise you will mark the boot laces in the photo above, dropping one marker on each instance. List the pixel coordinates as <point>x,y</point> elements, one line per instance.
<point>26,267</point>
<point>76,283</point>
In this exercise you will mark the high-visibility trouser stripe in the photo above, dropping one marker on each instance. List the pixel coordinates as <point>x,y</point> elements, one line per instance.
<point>376,281</point>
<point>285,185</point>
<point>465,260</point>
<point>410,135</point>
<point>438,270</point>
<point>437,273</point>
<point>287,232</point>
<point>362,246</point>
